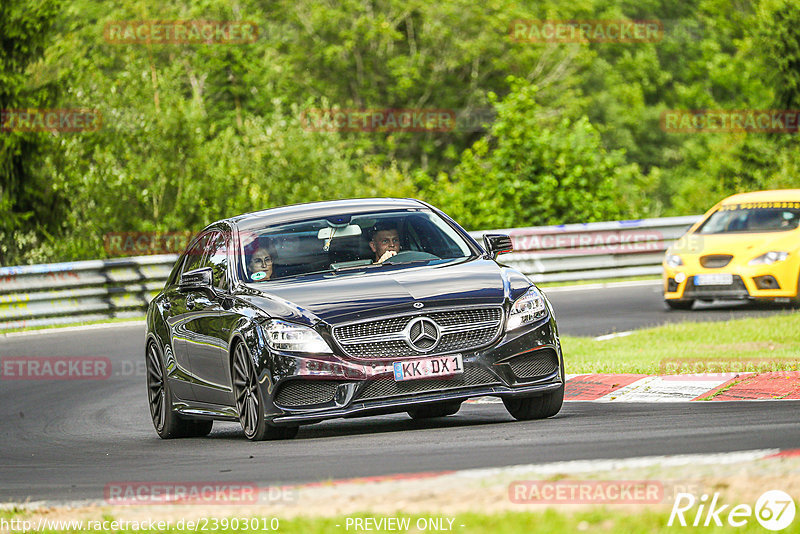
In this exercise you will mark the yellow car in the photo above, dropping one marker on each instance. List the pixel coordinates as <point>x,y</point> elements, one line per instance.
<point>745,247</point>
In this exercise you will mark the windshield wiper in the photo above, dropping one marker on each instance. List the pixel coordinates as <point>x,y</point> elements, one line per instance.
<point>409,262</point>
<point>354,267</point>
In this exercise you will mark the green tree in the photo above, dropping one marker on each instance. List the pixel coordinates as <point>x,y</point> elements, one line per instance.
<point>29,208</point>
<point>533,170</point>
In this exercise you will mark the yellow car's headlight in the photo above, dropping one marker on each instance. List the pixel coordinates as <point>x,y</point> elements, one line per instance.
<point>769,258</point>
<point>673,260</point>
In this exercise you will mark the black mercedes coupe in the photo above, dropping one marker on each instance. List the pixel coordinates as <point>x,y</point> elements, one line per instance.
<point>347,308</point>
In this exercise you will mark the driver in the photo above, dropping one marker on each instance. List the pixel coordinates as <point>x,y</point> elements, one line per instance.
<point>385,241</point>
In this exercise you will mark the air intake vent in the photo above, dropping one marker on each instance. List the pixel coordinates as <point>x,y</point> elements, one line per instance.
<point>538,364</point>
<point>473,376</point>
<point>306,392</point>
<point>715,261</point>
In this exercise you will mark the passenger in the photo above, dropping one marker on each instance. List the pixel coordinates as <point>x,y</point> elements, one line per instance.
<point>259,260</point>
<point>385,241</point>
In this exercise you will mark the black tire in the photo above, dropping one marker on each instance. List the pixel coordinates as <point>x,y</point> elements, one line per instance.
<point>168,424</point>
<point>680,304</point>
<point>541,407</point>
<point>250,401</point>
<point>442,409</point>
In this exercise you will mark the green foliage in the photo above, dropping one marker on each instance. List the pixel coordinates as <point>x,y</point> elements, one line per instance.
<point>534,170</point>
<point>779,35</point>
<point>193,133</point>
<point>28,206</point>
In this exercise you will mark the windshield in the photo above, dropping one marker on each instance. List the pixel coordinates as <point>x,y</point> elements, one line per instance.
<point>347,242</point>
<point>753,217</point>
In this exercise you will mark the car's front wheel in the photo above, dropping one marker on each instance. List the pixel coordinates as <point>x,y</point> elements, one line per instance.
<point>167,423</point>
<point>435,410</point>
<point>541,407</point>
<point>250,401</point>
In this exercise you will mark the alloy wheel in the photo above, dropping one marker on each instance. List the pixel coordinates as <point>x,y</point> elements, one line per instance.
<point>246,391</point>
<point>155,388</point>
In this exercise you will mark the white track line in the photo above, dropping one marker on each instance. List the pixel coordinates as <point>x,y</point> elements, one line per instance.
<point>614,335</point>
<point>607,285</point>
<point>491,474</point>
<point>590,466</point>
<point>101,326</point>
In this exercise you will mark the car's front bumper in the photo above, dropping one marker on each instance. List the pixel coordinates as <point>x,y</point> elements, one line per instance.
<point>524,362</point>
<point>769,282</point>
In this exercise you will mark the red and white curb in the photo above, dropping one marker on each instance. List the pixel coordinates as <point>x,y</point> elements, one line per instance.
<point>678,388</point>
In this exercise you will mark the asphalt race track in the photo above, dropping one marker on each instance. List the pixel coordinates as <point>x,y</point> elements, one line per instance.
<point>65,440</point>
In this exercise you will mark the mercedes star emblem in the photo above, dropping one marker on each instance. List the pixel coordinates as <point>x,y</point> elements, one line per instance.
<point>422,334</point>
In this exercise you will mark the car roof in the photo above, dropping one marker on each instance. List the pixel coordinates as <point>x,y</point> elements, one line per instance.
<point>312,210</point>
<point>775,195</point>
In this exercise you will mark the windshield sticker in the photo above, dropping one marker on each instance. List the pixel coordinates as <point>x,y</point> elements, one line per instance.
<point>258,276</point>
<point>760,205</point>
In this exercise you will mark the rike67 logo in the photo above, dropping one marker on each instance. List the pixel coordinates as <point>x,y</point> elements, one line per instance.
<point>774,510</point>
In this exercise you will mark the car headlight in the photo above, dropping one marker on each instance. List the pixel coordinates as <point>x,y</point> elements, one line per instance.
<point>294,338</point>
<point>769,258</point>
<point>673,260</point>
<point>526,309</point>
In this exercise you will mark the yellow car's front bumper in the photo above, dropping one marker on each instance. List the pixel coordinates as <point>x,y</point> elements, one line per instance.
<point>776,281</point>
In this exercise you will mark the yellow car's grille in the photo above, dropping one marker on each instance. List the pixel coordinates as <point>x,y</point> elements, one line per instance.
<point>715,261</point>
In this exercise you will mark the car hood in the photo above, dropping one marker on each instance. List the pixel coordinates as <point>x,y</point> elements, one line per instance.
<point>355,295</point>
<point>745,245</point>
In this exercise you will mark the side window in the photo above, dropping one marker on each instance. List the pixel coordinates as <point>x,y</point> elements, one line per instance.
<point>196,256</point>
<point>218,259</point>
<point>176,270</point>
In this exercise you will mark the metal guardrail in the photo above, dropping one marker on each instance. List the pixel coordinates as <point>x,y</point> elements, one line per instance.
<point>593,251</point>
<point>58,293</point>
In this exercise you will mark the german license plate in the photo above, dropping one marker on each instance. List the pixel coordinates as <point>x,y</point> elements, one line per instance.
<point>720,279</point>
<point>428,367</point>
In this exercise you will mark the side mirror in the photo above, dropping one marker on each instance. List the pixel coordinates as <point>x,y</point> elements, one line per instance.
<point>196,279</point>
<point>497,244</point>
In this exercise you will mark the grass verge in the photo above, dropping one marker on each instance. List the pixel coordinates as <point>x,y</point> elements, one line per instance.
<point>630,519</point>
<point>753,344</point>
